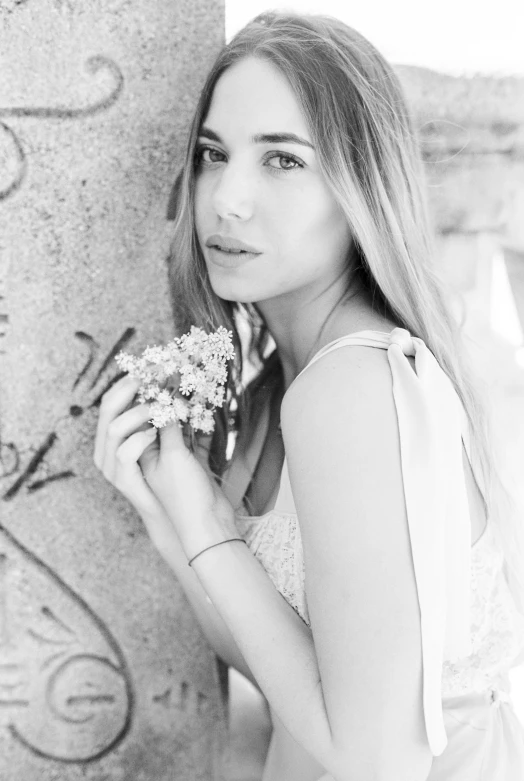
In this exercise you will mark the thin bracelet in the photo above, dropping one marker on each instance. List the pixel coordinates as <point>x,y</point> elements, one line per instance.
<point>232,539</point>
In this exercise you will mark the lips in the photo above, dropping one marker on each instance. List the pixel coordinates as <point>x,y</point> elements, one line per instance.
<point>230,245</point>
<point>231,251</point>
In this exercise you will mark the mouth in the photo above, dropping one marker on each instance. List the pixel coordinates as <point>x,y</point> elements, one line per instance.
<point>230,245</point>
<point>232,251</point>
<point>229,258</point>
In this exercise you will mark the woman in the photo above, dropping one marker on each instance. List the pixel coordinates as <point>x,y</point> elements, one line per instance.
<point>300,215</point>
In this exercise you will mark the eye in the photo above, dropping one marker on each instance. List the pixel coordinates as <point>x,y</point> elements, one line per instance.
<point>296,163</point>
<point>200,152</point>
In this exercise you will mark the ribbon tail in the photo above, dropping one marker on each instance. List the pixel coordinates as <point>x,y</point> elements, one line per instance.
<point>438,518</point>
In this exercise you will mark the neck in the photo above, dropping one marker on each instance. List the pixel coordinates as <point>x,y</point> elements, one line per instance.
<point>300,325</point>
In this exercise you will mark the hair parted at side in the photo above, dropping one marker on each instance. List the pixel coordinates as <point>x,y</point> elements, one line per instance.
<point>367,149</point>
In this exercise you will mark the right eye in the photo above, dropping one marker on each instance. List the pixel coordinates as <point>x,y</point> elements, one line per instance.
<point>201,150</point>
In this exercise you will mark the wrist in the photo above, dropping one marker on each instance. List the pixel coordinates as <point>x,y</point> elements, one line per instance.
<point>204,531</point>
<point>199,537</point>
<point>222,542</point>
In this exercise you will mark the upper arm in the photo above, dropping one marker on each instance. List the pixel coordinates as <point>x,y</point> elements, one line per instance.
<point>342,444</point>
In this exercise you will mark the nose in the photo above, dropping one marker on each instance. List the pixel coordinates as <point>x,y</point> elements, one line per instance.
<point>234,193</point>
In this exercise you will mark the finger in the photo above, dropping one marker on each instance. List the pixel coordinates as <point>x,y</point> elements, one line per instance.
<point>111,432</point>
<point>129,422</point>
<point>172,439</point>
<point>127,455</point>
<point>114,402</point>
<point>119,396</point>
<point>129,479</point>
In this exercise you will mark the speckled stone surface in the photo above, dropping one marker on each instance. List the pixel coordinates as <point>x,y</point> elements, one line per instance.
<point>104,673</point>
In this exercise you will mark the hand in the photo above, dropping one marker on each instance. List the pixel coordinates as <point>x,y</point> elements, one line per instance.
<point>157,473</point>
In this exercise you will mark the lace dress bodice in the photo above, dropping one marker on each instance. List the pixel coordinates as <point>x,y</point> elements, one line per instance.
<point>471,630</point>
<point>497,628</point>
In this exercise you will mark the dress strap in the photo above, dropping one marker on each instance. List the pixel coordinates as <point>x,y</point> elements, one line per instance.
<point>367,338</point>
<point>430,419</point>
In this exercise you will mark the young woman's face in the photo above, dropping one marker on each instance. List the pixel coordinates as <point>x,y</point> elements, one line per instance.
<point>265,191</point>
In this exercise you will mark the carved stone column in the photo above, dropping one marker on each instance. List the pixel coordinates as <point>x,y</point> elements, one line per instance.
<point>104,673</point>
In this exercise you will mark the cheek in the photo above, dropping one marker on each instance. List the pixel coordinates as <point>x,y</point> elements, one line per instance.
<point>329,226</point>
<point>293,218</point>
<point>313,222</point>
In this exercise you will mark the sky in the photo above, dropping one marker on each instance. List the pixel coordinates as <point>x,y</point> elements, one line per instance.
<point>462,37</point>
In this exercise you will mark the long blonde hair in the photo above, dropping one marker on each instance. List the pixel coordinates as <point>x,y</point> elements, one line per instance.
<point>367,148</point>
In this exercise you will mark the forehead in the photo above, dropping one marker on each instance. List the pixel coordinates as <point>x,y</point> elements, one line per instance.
<point>253,95</point>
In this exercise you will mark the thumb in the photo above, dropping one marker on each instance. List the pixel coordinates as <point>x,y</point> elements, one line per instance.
<point>171,437</point>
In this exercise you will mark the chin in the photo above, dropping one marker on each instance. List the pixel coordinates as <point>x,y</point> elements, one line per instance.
<point>237,290</point>
<point>227,292</point>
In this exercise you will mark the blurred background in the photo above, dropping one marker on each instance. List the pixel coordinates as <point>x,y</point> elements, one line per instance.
<point>462,65</point>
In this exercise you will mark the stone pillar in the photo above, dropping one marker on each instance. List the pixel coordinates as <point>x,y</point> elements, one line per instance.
<point>104,673</point>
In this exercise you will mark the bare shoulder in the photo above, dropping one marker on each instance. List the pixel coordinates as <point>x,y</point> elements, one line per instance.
<point>351,378</point>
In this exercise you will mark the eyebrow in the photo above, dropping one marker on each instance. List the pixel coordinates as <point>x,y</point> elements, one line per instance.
<point>261,138</point>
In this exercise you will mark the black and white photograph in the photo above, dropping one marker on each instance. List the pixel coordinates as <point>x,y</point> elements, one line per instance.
<point>261,390</point>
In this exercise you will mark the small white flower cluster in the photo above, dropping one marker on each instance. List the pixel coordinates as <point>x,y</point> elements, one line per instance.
<point>196,362</point>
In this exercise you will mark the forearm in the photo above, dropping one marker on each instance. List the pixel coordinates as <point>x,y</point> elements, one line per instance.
<point>288,759</point>
<point>276,643</point>
<point>211,622</point>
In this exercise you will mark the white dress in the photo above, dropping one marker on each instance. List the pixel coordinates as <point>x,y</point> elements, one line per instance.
<point>471,630</point>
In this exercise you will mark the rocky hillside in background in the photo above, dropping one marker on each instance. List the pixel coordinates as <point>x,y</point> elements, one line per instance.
<point>472,138</point>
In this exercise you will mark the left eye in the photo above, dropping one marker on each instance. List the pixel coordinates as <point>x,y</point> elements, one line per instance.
<point>287,159</point>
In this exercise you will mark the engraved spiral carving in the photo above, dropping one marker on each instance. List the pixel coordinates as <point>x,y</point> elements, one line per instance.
<point>12,155</point>
<point>65,688</point>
